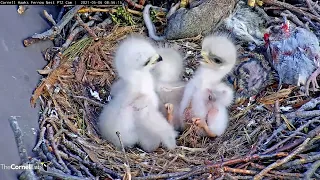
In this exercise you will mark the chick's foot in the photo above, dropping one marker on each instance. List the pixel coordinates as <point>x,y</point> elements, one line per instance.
<point>313,80</point>
<point>202,124</point>
<point>169,108</point>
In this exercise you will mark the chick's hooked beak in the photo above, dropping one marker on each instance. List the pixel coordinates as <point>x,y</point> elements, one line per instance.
<point>155,59</point>
<point>205,56</point>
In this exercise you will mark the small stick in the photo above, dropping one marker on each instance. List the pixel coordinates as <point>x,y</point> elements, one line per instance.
<point>60,14</point>
<point>310,104</point>
<point>282,161</point>
<point>300,161</point>
<point>159,176</point>
<point>18,136</point>
<point>91,165</point>
<point>277,112</point>
<point>59,175</point>
<point>277,172</point>
<point>55,30</point>
<point>311,9</point>
<point>28,174</point>
<point>70,145</point>
<point>86,171</point>
<point>168,165</point>
<point>50,18</point>
<point>126,165</point>
<point>193,150</point>
<point>303,114</point>
<point>291,8</point>
<point>89,100</point>
<point>294,19</point>
<point>240,171</point>
<point>87,28</point>
<point>312,170</point>
<point>55,148</point>
<point>73,34</point>
<point>50,157</point>
<point>41,139</point>
<point>291,136</point>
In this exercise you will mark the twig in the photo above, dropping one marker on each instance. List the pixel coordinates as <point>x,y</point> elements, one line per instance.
<point>51,172</point>
<point>310,135</point>
<point>291,136</point>
<point>92,165</point>
<point>74,148</point>
<point>300,161</point>
<point>310,104</point>
<point>277,172</point>
<point>60,14</point>
<point>41,139</point>
<point>240,171</point>
<point>312,170</point>
<point>18,136</point>
<point>50,157</point>
<point>311,9</point>
<point>291,8</point>
<point>168,165</point>
<point>282,161</point>
<point>28,174</point>
<point>159,176</point>
<point>277,112</point>
<point>55,30</point>
<point>127,175</point>
<point>193,150</point>
<point>89,100</point>
<point>55,148</point>
<point>50,18</point>
<point>87,28</point>
<point>86,170</point>
<point>303,114</point>
<point>294,19</point>
<point>73,34</point>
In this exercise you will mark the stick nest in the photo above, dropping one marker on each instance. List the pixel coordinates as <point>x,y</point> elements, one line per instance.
<point>259,142</point>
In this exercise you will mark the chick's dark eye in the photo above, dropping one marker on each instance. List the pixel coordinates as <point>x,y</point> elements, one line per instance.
<point>210,98</point>
<point>217,60</point>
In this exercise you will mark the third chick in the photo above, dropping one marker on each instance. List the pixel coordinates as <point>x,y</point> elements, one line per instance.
<point>218,99</point>
<point>219,57</point>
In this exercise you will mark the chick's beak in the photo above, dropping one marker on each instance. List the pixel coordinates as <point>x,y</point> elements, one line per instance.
<point>205,57</point>
<point>155,59</point>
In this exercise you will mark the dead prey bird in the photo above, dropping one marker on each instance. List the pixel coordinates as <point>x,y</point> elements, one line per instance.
<point>186,23</point>
<point>295,54</point>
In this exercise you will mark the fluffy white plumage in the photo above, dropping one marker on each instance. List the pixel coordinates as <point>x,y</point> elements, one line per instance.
<point>219,55</point>
<point>134,110</point>
<point>218,121</point>
<point>168,83</point>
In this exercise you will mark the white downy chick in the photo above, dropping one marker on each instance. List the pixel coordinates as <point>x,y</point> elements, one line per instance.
<point>218,99</point>
<point>169,86</point>
<point>219,55</point>
<point>134,110</point>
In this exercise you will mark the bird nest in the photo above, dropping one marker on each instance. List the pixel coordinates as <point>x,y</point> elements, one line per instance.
<point>261,141</point>
<point>73,94</point>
